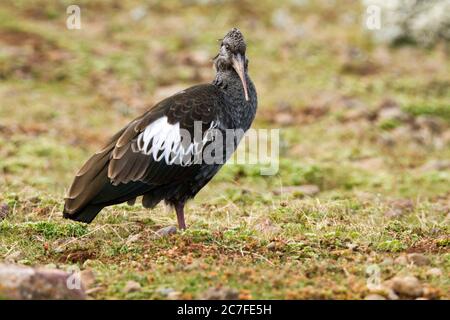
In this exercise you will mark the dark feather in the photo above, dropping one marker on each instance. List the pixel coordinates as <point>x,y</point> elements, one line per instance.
<point>122,170</point>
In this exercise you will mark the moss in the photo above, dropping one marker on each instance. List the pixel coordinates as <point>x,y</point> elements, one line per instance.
<point>439,110</point>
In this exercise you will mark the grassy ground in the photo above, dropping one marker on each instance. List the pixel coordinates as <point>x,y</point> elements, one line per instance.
<point>367,124</point>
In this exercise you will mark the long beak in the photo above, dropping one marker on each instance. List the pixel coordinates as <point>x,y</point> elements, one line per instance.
<point>238,65</point>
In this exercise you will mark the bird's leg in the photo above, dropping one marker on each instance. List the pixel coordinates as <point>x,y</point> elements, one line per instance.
<point>179,208</point>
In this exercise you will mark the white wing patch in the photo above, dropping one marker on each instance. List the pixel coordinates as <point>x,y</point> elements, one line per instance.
<point>163,140</point>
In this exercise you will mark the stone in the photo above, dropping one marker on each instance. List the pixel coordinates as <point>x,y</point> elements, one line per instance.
<point>166,231</point>
<point>25,283</point>
<point>434,272</point>
<point>132,286</point>
<point>165,291</point>
<point>408,286</point>
<point>174,295</point>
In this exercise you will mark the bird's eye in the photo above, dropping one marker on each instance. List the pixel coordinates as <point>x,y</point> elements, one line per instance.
<point>227,46</point>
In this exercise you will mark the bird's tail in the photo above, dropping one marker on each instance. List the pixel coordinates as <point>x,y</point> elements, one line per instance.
<point>86,215</point>
<point>88,183</point>
<point>92,189</point>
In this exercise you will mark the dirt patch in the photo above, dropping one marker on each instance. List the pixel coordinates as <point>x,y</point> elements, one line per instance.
<point>19,38</point>
<point>429,246</point>
<point>77,256</point>
<point>30,55</point>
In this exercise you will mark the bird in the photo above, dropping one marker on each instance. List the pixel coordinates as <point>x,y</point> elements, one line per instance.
<point>160,155</point>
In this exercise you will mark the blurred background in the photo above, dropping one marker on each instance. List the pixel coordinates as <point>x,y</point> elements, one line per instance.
<point>343,93</point>
<point>364,114</point>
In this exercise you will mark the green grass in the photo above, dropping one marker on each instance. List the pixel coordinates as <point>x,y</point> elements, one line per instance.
<point>63,93</point>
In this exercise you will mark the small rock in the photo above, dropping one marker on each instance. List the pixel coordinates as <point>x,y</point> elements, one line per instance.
<point>165,291</point>
<point>24,283</point>
<point>174,295</point>
<point>418,259</point>
<point>374,296</point>
<point>4,211</point>
<point>220,293</point>
<point>166,231</point>
<point>434,272</point>
<point>408,286</point>
<point>132,286</point>
<point>272,246</point>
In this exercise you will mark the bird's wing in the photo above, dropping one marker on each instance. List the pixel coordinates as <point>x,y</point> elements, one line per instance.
<point>162,146</point>
<point>150,150</point>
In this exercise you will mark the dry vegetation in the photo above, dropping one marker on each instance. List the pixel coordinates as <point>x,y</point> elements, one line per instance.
<point>367,124</point>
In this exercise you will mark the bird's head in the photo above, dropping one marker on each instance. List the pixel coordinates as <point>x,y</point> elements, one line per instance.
<point>232,56</point>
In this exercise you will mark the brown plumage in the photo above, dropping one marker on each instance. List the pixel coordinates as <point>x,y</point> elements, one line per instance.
<point>126,168</point>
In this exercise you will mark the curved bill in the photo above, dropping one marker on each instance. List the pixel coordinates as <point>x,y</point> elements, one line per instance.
<point>238,65</point>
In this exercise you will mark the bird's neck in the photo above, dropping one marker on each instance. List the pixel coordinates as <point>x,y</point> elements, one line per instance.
<point>230,84</point>
<point>241,110</point>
